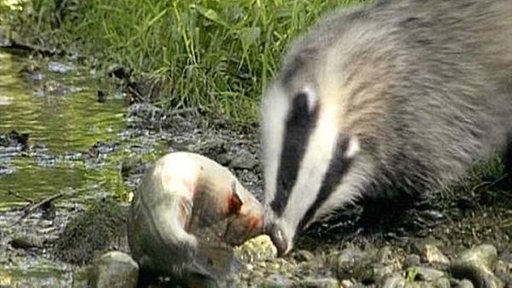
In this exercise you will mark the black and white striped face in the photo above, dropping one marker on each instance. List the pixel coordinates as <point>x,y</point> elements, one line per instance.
<point>305,157</point>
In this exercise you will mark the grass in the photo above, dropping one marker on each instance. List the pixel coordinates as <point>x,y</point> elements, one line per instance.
<point>217,55</point>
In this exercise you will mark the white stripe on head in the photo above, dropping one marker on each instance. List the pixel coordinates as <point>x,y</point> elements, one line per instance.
<point>312,170</point>
<point>312,97</point>
<point>274,110</point>
<point>348,190</point>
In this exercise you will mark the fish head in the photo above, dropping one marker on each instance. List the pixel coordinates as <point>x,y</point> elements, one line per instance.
<point>246,216</point>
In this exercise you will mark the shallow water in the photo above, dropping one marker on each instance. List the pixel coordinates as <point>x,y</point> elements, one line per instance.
<point>70,137</point>
<point>62,127</point>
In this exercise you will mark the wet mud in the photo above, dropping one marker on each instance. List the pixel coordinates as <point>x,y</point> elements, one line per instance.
<point>60,140</point>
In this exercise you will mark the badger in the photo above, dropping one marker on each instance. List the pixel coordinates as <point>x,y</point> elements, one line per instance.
<point>382,101</point>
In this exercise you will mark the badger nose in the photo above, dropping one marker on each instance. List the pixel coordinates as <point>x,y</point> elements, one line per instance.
<point>278,238</point>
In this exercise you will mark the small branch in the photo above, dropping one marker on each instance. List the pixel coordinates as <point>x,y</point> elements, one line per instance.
<point>16,45</point>
<point>29,209</point>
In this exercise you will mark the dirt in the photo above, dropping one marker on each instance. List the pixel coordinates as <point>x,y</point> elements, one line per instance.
<point>71,233</point>
<point>453,221</point>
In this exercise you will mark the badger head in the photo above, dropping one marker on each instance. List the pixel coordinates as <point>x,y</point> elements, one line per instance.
<point>306,153</point>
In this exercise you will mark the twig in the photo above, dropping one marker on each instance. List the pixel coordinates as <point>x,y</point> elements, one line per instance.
<point>33,207</point>
<point>16,45</point>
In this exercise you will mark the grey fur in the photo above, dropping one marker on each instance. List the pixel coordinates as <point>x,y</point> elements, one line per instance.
<point>425,86</point>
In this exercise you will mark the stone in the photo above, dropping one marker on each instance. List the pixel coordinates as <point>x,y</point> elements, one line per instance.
<point>431,254</point>
<point>394,281</point>
<point>319,283</point>
<point>425,273</point>
<point>477,264</point>
<point>276,281</point>
<point>244,160</point>
<point>115,269</point>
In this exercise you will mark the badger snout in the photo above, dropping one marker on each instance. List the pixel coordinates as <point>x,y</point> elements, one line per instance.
<point>282,242</point>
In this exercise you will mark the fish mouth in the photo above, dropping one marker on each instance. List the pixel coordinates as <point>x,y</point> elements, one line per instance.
<point>279,239</point>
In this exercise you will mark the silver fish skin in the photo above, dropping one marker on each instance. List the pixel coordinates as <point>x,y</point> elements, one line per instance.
<point>187,214</point>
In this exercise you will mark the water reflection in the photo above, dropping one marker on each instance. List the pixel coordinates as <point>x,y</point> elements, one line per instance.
<point>60,124</point>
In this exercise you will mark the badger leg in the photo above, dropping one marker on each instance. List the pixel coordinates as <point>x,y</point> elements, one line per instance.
<point>382,214</point>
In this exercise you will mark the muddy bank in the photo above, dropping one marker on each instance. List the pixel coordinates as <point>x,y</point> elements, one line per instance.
<point>423,246</point>
<point>98,164</point>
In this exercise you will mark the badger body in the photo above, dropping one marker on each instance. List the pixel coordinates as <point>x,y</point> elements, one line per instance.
<point>390,100</point>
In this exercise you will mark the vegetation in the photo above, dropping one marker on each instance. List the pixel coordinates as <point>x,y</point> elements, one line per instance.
<point>213,54</point>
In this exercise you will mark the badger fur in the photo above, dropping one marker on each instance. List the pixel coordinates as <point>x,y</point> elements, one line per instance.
<point>393,99</point>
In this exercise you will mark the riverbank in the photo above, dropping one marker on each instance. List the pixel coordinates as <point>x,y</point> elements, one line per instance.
<point>99,162</point>
<point>213,55</point>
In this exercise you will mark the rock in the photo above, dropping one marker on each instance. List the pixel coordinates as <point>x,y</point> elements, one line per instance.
<point>425,273</point>
<point>244,160</point>
<point>346,283</point>
<point>382,271</point>
<point>385,255</point>
<point>144,115</point>
<point>276,281</point>
<point>131,164</point>
<point>223,159</point>
<point>465,284</point>
<point>210,148</point>
<point>484,256</point>
<point>442,282</point>
<point>394,281</point>
<point>412,260</point>
<point>345,262</point>
<point>32,72</point>
<point>303,255</point>
<point>82,277</point>
<point>5,36</point>
<point>504,271</point>
<point>115,269</point>
<point>431,254</point>
<point>54,88</point>
<point>59,67</point>
<point>319,283</point>
<point>477,264</point>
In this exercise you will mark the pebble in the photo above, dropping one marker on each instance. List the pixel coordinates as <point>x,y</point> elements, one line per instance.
<point>319,283</point>
<point>346,261</point>
<point>425,273</point>
<point>59,67</point>
<point>244,160</point>
<point>465,283</point>
<point>412,260</point>
<point>431,254</point>
<point>303,255</point>
<point>82,277</point>
<point>442,282</point>
<point>394,281</point>
<point>115,270</point>
<point>276,281</point>
<point>477,264</point>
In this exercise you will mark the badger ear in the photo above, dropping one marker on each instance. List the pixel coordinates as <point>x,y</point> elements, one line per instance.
<point>352,147</point>
<point>235,201</point>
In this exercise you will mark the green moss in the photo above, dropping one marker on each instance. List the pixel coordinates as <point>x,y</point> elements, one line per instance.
<point>100,228</point>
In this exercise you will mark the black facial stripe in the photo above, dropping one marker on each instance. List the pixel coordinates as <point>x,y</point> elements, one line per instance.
<point>337,168</point>
<point>298,128</point>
